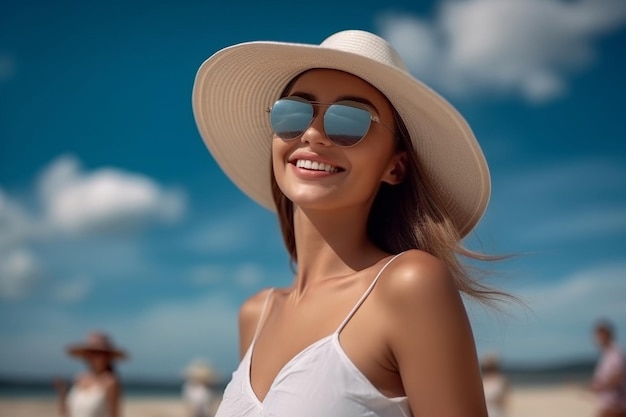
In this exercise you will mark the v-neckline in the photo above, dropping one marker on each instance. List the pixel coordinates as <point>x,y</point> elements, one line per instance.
<point>250,352</point>
<point>259,401</point>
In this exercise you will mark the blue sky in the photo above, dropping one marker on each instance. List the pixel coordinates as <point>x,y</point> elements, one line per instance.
<point>114,216</point>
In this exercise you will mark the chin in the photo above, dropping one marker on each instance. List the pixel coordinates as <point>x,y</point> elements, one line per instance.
<point>311,196</point>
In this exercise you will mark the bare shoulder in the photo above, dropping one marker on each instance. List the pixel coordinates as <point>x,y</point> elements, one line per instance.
<point>249,316</point>
<point>416,275</point>
<point>429,335</point>
<point>251,308</point>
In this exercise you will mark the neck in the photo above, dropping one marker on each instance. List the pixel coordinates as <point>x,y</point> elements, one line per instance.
<point>331,244</point>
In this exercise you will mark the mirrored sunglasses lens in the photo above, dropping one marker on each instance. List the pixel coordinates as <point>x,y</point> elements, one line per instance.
<point>289,118</point>
<point>346,125</point>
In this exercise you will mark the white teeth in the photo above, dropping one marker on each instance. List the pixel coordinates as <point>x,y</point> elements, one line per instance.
<point>315,166</point>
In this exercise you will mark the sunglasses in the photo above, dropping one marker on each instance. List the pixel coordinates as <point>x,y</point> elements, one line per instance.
<point>346,122</point>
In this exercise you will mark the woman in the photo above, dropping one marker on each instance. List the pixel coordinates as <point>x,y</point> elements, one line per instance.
<point>375,179</point>
<point>97,392</point>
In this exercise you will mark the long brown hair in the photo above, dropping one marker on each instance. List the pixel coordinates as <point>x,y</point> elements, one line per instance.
<point>409,215</point>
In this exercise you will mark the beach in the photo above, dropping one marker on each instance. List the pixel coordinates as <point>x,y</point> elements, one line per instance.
<point>550,401</point>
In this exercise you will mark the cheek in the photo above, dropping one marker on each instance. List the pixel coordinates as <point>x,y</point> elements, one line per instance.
<point>277,153</point>
<point>373,160</point>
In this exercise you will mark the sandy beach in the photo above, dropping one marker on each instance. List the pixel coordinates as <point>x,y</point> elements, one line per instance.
<point>557,401</point>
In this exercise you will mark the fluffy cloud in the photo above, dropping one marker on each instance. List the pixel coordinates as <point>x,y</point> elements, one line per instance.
<point>80,206</point>
<point>526,47</point>
<point>558,315</point>
<point>18,273</point>
<point>110,199</point>
<point>16,225</point>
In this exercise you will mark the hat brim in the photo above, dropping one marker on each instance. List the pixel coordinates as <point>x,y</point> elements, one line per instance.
<point>234,88</point>
<point>201,374</point>
<point>81,351</point>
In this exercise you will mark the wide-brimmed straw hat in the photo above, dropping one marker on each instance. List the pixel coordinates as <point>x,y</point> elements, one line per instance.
<point>96,342</point>
<point>235,86</point>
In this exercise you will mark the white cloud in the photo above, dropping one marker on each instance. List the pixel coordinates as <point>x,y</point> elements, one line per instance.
<point>557,325</point>
<point>19,272</point>
<point>82,205</point>
<point>16,225</point>
<point>526,47</point>
<point>600,290</point>
<point>105,199</point>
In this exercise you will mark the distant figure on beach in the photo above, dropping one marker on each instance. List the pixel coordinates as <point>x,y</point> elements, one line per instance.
<point>96,392</point>
<point>495,385</point>
<point>609,377</point>
<point>199,398</point>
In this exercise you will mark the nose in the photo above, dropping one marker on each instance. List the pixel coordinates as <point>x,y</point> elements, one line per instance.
<point>315,133</point>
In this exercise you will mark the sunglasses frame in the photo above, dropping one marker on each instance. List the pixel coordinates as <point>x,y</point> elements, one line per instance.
<point>374,117</point>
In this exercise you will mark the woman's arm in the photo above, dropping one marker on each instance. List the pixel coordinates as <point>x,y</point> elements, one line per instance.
<point>431,339</point>
<point>113,398</point>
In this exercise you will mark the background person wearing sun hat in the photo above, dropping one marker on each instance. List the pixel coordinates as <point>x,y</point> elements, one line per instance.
<point>199,398</point>
<point>376,179</point>
<point>96,392</point>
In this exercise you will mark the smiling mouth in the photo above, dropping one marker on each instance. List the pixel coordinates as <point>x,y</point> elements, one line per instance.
<point>316,166</point>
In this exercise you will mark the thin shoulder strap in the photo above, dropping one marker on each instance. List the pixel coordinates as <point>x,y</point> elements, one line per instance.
<point>367,292</point>
<point>261,321</point>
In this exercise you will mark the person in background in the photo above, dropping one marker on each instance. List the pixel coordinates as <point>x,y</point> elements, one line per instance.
<point>495,385</point>
<point>199,398</point>
<point>96,392</point>
<point>609,377</point>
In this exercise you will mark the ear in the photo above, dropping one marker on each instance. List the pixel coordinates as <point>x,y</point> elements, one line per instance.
<point>396,170</point>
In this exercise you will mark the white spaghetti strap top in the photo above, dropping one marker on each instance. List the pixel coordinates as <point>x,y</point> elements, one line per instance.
<point>259,325</point>
<point>86,401</point>
<point>320,380</point>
